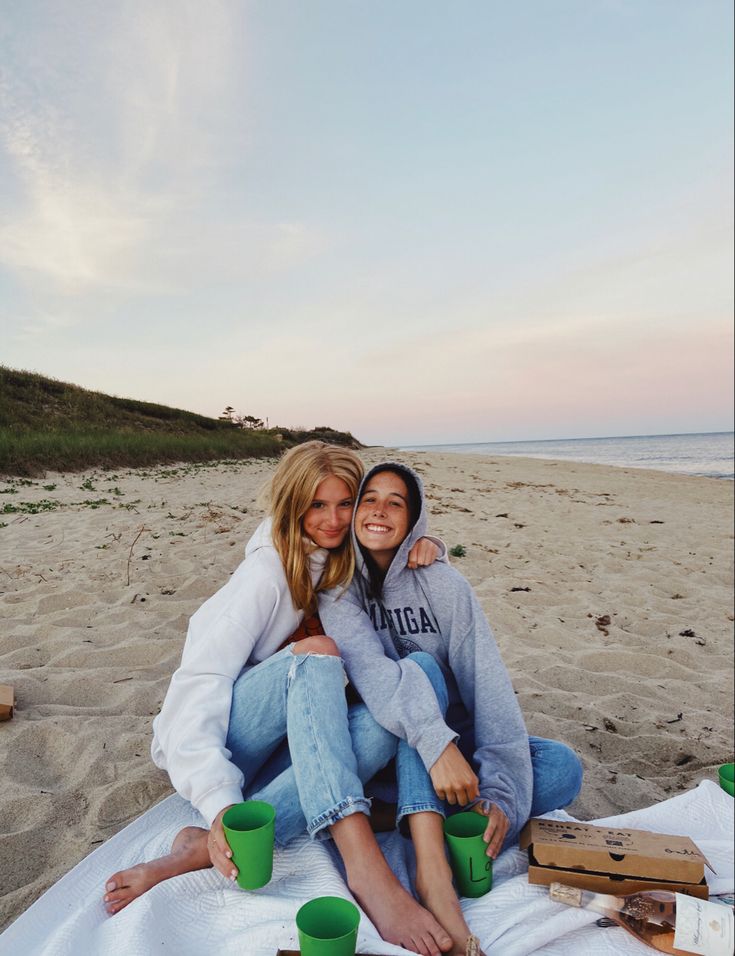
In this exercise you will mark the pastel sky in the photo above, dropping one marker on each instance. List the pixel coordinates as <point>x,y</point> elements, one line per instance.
<point>416,220</point>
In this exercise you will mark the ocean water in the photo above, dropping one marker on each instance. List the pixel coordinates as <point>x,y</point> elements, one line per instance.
<point>709,454</point>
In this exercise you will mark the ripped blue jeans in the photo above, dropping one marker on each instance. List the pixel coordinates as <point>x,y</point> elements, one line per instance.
<point>298,744</point>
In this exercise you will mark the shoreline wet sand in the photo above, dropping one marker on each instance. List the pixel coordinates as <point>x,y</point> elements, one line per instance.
<point>608,589</point>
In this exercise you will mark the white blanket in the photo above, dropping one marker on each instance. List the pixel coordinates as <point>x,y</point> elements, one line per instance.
<point>202,913</point>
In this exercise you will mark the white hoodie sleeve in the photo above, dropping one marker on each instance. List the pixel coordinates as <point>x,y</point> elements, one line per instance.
<point>191,730</point>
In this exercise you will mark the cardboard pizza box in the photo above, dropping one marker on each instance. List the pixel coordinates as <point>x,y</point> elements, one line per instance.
<point>612,860</point>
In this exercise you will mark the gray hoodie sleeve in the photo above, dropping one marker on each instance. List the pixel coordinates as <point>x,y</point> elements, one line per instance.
<point>397,693</point>
<point>502,754</point>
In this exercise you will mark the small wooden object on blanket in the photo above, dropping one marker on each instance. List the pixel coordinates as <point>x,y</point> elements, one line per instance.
<point>7,701</point>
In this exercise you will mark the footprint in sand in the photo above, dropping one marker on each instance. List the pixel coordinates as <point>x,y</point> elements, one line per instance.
<point>124,801</point>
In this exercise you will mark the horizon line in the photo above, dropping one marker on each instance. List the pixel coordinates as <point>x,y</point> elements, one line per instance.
<point>527,441</point>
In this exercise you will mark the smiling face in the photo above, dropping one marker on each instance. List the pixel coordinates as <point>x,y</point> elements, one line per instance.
<point>327,520</point>
<point>383,519</point>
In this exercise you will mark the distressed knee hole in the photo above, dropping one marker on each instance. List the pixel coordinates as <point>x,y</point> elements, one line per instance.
<point>321,644</point>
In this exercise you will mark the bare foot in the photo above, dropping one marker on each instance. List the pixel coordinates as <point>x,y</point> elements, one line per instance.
<point>188,852</point>
<point>398,917</point>
<point>396,914</point>
<point>437,893</point>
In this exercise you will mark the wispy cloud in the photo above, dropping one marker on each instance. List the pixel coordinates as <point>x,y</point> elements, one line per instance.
<point>116,147</point>
<point>81,214</point>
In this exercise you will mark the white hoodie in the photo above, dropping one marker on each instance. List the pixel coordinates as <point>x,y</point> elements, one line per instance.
<point>243,623</point>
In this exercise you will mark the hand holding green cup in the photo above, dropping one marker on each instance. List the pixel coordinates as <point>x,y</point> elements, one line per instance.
<point>250,830</point>
<point>472,868</point>
<point>327,926</point>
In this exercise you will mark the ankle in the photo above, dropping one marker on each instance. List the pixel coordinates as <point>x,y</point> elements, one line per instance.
<point>433,871</point>
<point>375,882</point>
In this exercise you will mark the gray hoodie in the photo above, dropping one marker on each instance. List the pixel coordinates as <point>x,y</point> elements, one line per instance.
<point>435,610</point>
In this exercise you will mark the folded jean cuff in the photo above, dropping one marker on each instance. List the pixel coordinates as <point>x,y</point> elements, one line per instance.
<point>343,809</point>
<point>419,808</point>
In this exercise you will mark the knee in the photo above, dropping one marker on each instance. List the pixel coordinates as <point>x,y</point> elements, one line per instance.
<point>557,774</point>
<point>429,666</point>
<point>321,644</point>
<point>426,662</point>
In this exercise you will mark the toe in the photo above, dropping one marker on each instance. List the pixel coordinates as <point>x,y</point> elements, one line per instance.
<point>118,903</point>
<point>117,896</point>
<point>117,881</point>
<point>431,948</point>
<point>443,939</point>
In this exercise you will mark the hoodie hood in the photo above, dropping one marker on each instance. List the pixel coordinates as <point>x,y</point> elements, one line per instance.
<point>262,537</point>
<point>419,529</point>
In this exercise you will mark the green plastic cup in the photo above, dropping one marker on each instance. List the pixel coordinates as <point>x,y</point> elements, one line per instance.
<point>473,870</point>
<point>328,927</point>
<point>250,828</point>
<point>727,778</point>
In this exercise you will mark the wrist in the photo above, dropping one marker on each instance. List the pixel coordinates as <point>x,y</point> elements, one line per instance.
<point>220,815</point>
<point>217,801</point>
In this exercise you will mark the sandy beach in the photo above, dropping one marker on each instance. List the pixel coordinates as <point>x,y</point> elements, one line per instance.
<point>609,591</point>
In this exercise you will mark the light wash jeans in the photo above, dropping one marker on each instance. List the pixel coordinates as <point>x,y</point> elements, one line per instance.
<point>557,771</point>
<point>299,746</point>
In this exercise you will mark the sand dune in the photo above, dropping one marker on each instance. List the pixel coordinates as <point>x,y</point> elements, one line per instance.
<point>609,591</point>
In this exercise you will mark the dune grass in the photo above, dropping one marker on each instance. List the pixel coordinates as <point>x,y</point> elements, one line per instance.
<point>47,425</point>
<point>35,452</point>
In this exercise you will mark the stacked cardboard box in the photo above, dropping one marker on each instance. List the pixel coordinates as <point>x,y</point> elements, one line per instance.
<point>609,860</point>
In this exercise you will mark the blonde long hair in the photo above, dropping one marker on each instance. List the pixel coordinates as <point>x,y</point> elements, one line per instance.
<point>290,494</point>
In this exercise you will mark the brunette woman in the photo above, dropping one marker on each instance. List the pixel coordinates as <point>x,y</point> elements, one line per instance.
<point>431,619</point>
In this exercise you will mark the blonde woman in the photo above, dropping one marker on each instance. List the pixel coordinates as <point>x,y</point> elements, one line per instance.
<point>250,714</point>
